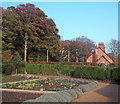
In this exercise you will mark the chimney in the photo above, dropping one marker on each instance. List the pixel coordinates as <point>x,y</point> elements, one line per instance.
<point>96,46</point>
<point>102,46</point>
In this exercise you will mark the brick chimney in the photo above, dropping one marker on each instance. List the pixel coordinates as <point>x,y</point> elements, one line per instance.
<point>102,46</point>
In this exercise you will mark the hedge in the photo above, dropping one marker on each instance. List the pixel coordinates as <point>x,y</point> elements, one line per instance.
<point>97,73</point>
<point>77,71</point>
<point>60,96</point>
<point>88,87</point>
<point>8,68</point>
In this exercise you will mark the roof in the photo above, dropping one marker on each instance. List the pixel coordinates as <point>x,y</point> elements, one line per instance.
<point>104,58</point>
<point>107,54</point>
<point>101,56</point>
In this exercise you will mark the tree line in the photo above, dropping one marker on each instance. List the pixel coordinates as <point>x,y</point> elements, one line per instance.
<point>27,23</point>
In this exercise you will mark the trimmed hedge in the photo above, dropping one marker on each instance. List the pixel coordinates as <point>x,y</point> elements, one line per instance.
<point>85,72</point>
<point>88,87</point>
<point>97,73</point>
<point>77,71</point>
<point>60,96</point>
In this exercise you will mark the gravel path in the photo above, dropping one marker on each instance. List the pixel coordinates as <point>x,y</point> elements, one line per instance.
<point>102,93</point>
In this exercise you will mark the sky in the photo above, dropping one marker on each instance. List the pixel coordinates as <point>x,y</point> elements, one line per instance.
<point>97,21</point>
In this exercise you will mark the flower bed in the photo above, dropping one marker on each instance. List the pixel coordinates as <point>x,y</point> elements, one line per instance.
<point>46,84</point>
<point>65,96</point>
<point>66,89</point>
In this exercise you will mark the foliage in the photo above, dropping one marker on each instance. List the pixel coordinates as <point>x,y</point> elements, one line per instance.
<point>87,87</point>
<point>8,68</point>
<point>55,85</point>
<point>113,48</point>
<point>21,67</point>
<point>41,30</point>
<point>78,71</point>
<point>79,48</point>
<point>97,73</point>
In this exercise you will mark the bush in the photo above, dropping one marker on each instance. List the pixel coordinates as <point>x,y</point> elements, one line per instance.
<point>72,93</point>
<point>8,68</point>
<point>68,97</point>
<point>93,72</point>
<point>88,87</point>
<point>116,74</point>
<point>21,66</point>
<point>46,98</point>
<point>108,73</point>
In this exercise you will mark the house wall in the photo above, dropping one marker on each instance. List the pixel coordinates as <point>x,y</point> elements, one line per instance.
<point>100,53</point>
<point>102,60</point>
<point>97,55</point>
<point>90,59</point>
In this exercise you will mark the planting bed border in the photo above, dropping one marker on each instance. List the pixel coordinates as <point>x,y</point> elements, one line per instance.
<point>60,96</point>
<point>67,95</point>
<point>26,91</point>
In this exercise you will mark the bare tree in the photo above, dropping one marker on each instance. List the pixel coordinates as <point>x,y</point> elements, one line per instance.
<point>112,48</point>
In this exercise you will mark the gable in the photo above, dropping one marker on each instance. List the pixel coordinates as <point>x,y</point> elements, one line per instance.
<point>97,54</point>
<point>103,60</point>
<point>101,53</point>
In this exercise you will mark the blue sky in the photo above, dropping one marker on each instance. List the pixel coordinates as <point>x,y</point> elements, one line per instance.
<point>97,21</point>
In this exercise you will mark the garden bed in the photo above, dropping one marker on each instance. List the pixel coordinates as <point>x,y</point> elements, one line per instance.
<point>9,97</point>
<point>63,89</point>
<point>46,84</point>
<point>15,78</point>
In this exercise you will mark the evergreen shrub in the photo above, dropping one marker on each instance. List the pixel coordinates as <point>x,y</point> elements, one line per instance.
<point>8,68</point>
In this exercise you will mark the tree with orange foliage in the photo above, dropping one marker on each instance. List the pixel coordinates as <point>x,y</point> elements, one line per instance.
<point>41,30</point>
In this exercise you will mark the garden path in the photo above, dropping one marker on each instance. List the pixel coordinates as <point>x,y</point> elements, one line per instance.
<point>105,92</point>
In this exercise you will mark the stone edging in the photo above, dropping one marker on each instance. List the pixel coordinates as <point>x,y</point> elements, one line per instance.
<point>26,91</point>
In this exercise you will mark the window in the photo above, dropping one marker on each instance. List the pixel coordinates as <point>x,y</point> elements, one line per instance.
<point>103,63</point>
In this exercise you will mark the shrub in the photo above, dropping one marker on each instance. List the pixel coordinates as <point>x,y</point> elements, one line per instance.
<point>21,66</point>
<point>72,92</point>
<point>78,92</point>
<point>116,74</point>
<point>68,97</point>
<point>96,83</point>
<point>108,73</point>
<point>77,71</point>
<point>8,68</point>
<point>87,87</point>
<point>46,98</point>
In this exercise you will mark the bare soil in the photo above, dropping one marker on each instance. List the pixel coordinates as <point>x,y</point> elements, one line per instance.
<point>15,78</point>
<point>18,97</point>
<point>46,85</point>
<point>20,77</point>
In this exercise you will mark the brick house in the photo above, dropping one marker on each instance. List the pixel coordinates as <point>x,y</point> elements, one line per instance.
<point>100,56</point>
